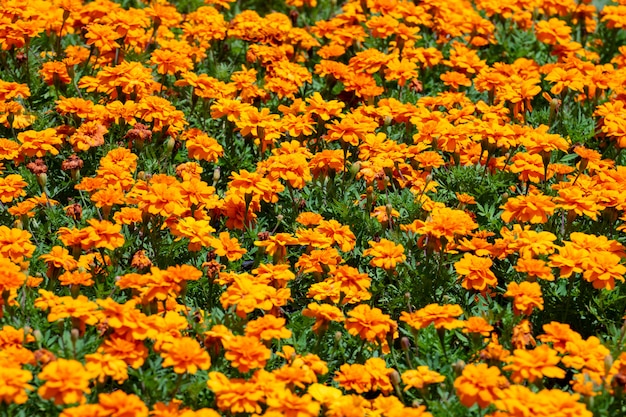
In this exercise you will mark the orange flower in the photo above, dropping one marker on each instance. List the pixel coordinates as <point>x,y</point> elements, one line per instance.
<point>324,314</point>
<point>101,366</point>
<point>276,245</point>
<point>479,384</point>
<point>386,254</point>
<point>268,327</point>
<point>14,383</point>
<point>553,31</point>
<point>443,317</point>
<point>289,404</point>
<point>15,244</point>
<point>12,187</point>
<point>197,231</point>
<point>530,365</point>
<point>421,377</point>
<point>236,395</point>
<point>38,143</point>
<point>67,382</point>
<point>119,403</point>
<point>12,278</point>
<point>102,234</point>
<point>341,235</point>
<point>527,295</point>
<point>226,246</point>
<point>476,272</point>
<point>602,268</point>
<point>246,352</point>
<point>200,146</point>
<point>372,325</point>
<point>534,268</point>
<point>477,325</point>
<point>534,208</point>
<point>185,355</point>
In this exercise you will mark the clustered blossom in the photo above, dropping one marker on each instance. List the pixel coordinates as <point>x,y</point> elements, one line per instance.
<point>212,211</point>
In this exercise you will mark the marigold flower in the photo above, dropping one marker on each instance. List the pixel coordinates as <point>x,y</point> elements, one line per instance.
<point>479,384</point>
<point>246,352</point>
<point>536,268</point>
<point>386,254</point>
<point>373,375</point>
<point>268,327</point>
<point>38,143</point>
<point>420,378</point>
<point>14,383</point>
<point>200,146</point>
<point>527,295</point>
<point>372,325</point>
<point>290,404</point>
<point>476,272</point>
<point>341,235</point>
<point>477,325</point>
<point>101,366</point>
<point>443,317</point>
<point>530,365</point>
<point>236,395</point>
<point>323,314</point>
<point>102,234</point>
<point>226,246</point>
<point>602,268</point>
<point>66,382</point>
<point>15,244</point>
<point>534,208</point>
<point>12,187</point>
<point>186,355</point>
<point>122,404</point>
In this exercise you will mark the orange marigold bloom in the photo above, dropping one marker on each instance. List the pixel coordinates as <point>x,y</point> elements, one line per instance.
<point>323,314</point>
<point>373,375</point>
<point>15,244</point>
<point>201,146</point>
<point>67,382</point>
<point>55,73</point>
<point>421,377</point>
<point>534,268</point>
<point>12,187</point>
<point>236,395</point>
<point>519,400</point>
<point>530,365</point>
<point>442,316</point>
<point>14,383</point>
<point>341,235</point>
<point>101,366</point>
<point>119,403</point>
<point>477,325</point>
<point>38,143</point>
<point>289,404</point>
<point>372,325</point>
<point>475,272</point>
<point>268,327</point>
<point>226,246</point>
<point>171,62</point>
<point>553,31</point>
<point>197,231</point>
<point>185,355</point>
<point>386,254</point>
<point>276,245</point>
<point>534,208</point>
<point>11,278</point>
<point>479,384</point>
<point>602,268</point>
<point>246,352</point>
<point>527,296</point>
<point>102,234</point>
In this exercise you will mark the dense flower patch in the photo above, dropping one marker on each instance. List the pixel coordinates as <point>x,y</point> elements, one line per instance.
<point>376,208</point>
